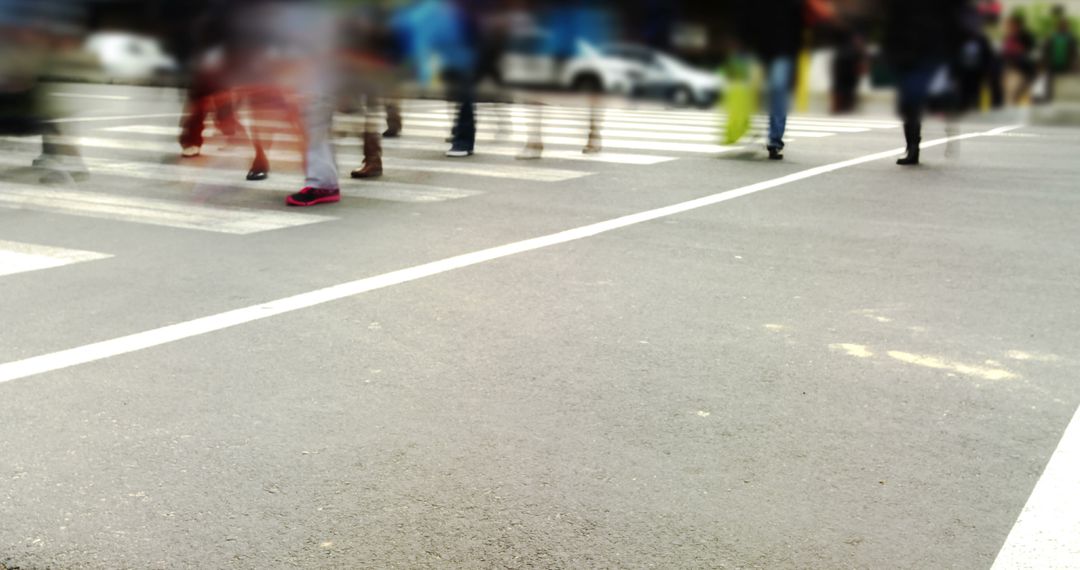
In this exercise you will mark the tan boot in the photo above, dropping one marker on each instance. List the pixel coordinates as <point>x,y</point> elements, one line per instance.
<point>372,167</point>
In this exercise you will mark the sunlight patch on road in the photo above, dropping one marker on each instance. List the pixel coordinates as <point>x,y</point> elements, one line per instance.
<point>957,367</point>
<point>1034,357</point>
<point>856,350</point>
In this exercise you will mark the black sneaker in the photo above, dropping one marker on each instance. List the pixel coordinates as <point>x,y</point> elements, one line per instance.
<point>311,196</point>
<point>775,153</point>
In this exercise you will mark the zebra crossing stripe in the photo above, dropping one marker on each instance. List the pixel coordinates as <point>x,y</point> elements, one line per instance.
<point>152,211</point>
<point>579,141</point>
<point>605,157</point>
<point>708,124</point>
<point>16,257</point>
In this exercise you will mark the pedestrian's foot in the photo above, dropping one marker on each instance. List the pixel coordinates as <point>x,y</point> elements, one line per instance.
<point>311,196</point>
<point>458,153</point>
<point>591,148</point>
<point>258,172</point>
<point>532,151</point>
<point>391,134</point>
<point>190,151</point>
<point>63,177</point>
<point>368,170</point>
<point>775,153</point>
<point>909,159</point>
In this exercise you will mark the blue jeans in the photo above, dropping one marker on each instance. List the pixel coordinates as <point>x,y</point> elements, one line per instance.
<point>779,72</point>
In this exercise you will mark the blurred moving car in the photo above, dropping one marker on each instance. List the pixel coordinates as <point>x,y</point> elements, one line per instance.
<point>665,77</point>
<point>528,62</point>
<point>130,56</point>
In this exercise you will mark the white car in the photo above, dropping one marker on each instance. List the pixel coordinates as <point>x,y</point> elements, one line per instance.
<point>129,56</point>
<point>527,63</point>
<point>666,77</point>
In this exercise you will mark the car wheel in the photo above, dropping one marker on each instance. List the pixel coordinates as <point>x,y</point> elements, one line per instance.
<point>587,84</point>
<point>681,96</point>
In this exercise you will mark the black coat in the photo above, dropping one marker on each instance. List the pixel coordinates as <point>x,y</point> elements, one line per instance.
<point>922,31</point>
<point>770,28</point>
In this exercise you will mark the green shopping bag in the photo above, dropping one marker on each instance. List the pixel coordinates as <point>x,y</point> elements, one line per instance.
<point>740,101</point>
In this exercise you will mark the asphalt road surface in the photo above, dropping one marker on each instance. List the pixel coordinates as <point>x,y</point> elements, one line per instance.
<point>829,362</point>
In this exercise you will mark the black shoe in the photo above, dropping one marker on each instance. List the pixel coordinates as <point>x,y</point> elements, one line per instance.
<point>910,159</point>
<point>775,153</point>
<point>391,134</point>
<point>257,174</point>
<point>312,196</point>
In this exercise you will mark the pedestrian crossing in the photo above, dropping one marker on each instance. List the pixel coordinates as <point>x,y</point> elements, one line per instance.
<point>142,149</point>
<point>17,257</point>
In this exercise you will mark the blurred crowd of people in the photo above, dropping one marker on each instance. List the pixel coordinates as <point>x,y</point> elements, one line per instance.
<point>258,68</point>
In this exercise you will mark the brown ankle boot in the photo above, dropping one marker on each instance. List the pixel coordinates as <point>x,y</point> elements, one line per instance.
<point>372,167</point>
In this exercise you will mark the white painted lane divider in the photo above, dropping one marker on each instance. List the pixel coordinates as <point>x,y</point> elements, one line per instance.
<point>171,333</point>
<point>16,257</point>
<point>1047,533</point>
<point>140,210</point>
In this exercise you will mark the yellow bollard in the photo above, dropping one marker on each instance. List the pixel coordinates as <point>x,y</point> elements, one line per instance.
<point>802,86</point>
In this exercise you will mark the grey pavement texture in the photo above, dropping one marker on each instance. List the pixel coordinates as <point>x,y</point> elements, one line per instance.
<point>800,378</point>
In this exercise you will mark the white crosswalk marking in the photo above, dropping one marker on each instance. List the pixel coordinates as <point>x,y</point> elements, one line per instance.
<point>16,257</point>
<point>218,178</point>
<point>239,221</point>
<point>484,135</point>
<point>148,152</point>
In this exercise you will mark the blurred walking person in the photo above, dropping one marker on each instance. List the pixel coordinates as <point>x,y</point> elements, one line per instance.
<point>34,36</point>
<point>848,66</point>
<point>1017,50</point>
<point>921,38</point>
<point>773,31</point>
<point>1060,52</point>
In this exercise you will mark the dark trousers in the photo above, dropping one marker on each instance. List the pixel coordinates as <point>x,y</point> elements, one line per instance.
<point>914,85</point>
<point>462,91</point>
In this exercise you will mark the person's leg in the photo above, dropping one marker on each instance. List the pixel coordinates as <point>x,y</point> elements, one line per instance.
<point>464,139</point>
<point>534,146</point>
<point>780,73</point>
<point>372,167</point>
<point>199,102</point>
<point>320,166</point>
<point>914,87</point>
<point>593,143</point>
<point>393,119</point>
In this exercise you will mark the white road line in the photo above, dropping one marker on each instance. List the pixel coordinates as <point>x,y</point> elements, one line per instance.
<point>16,257</point>
<point>168,130</point>
<point>91,96</point>
<point>115,118</point>
<point>171,148</point>
<point>222,178</point>
<point>609,133</point>
<point>1047,532</point>
<point>171,333</point>
<point>683,119</point>
<point>463,167</point>
<point>710,127</point>
<point>152,211</point>
<point>501,150</point>
<point>488,134</point>
<point>484,135</point>
<point>215,179</point>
